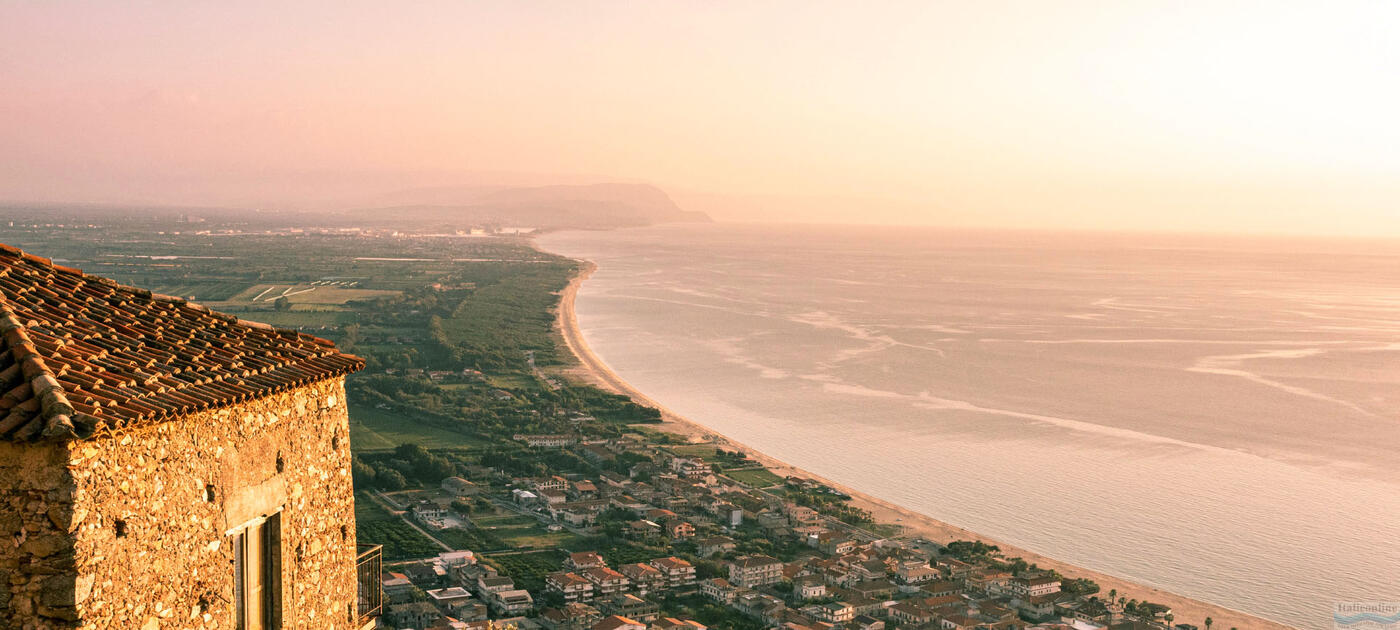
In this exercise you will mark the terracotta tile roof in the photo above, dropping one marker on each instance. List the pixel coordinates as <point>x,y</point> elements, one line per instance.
<point>82,355</point>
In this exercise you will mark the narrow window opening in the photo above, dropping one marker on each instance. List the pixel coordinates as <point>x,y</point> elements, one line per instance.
<point>257,567</point>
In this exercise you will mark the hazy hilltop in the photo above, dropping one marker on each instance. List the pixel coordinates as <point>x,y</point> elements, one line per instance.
<point>557,206</point>
<point>547,207</point>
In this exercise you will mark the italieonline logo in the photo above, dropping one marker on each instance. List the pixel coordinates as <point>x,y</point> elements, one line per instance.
<point>1366,615</point>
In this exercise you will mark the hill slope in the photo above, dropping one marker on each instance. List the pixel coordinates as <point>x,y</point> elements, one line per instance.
<point>563,206</point>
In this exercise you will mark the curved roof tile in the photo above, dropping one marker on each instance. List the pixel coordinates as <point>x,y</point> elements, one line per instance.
<point>82,356</point>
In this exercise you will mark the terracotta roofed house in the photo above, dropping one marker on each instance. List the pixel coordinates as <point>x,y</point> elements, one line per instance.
<point>159,460</point>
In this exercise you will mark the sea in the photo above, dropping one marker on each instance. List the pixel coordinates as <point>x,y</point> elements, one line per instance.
<point>1215,416</point>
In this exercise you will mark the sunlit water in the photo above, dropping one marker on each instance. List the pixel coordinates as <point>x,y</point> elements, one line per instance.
<point>1220,418</point>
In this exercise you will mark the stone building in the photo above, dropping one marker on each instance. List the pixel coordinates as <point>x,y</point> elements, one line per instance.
<point>164,466</point>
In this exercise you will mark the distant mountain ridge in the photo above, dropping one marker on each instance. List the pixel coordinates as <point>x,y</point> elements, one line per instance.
<point>559,206</point>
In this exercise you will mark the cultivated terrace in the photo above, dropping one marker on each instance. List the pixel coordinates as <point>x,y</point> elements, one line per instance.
<point>504,492</point>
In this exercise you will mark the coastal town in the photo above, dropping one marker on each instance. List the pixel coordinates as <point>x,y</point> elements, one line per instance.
<point>679,540</point>
<point>494,488</point>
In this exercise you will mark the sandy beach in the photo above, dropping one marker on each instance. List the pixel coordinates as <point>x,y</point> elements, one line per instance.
<point>593,370</point>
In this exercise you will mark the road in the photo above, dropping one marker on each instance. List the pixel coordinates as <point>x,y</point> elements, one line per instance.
<point>552,383</point>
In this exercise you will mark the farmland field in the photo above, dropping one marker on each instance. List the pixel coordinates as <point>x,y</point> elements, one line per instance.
<point>301,319</point>
<point>522,532</point>
<point>706,451</point>
<point>374,429</point>
<point>376,526</point>
<point>528,568</point>
<point>756,477</point>
<point>505,520</point>
<point>213,290</point>
<point>512,381</point>
<point>618,555</point>
<point>302,293</point>
<point>473,539</point>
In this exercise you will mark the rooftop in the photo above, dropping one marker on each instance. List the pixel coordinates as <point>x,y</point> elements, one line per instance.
<point>748,562</point>
<point>83,356</point>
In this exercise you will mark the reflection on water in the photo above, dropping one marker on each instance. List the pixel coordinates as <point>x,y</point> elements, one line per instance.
<point>1215,417</point>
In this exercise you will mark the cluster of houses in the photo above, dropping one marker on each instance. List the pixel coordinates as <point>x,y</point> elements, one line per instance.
<point>455,592</point>
<point>586,577</point>
<point>871,585</point>
<point>450,592</point>
<point>840,577</point>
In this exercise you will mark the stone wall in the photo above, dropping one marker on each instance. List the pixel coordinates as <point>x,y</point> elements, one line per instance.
<point>36,546</point>
<point>152,509</point>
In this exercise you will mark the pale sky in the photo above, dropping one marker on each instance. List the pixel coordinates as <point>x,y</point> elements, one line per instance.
<point>1269,116</point>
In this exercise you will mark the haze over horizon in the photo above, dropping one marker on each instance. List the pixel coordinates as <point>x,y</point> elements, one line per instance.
<point>1218,117</point>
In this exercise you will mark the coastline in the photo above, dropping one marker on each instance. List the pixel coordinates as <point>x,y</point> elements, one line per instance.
<point>592,369</point>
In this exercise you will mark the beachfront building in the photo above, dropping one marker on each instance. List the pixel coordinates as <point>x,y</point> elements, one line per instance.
<point>755,571</point>
<point>1034,585</point>
<point>161,461</point>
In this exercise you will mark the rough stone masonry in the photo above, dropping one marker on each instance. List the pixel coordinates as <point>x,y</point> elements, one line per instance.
<point>145,440</point>
<point>130,531</point>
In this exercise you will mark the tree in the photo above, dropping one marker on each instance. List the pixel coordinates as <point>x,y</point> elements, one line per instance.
<point>1169,619</point>
<point>1209,622</point>
<point>390,479</point>
<point>282,304</point>
<point>363,474</point>
<point>352,336</point>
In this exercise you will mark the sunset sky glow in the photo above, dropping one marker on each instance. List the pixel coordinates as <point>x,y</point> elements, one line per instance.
<point>1219,116</point>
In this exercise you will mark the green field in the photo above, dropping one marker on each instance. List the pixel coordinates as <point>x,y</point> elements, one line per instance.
<point>756,477</point>
<point>211,291</point>
<point>376,526</point>
<point>374,429</point>
<point>618,555</point>
<point>301,319</point>
<point>528,568</point>
<point>522,532</point>
<point>302,293</point>
<point>503,521</point>
<point>512,381</point>
<point>472,539</point>
<point>706,451</point>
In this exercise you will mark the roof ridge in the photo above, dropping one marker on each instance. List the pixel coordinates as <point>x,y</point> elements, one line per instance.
<point>11,250</point>
<point>83,354</point>
<point>54,409</point>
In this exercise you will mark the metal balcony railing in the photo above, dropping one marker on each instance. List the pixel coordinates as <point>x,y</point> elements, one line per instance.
<point>369,567</point>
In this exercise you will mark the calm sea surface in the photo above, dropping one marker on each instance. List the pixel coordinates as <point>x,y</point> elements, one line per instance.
<point>1217,417</point>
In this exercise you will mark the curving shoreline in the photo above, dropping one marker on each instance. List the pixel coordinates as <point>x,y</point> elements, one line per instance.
<point>592,369</point>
